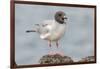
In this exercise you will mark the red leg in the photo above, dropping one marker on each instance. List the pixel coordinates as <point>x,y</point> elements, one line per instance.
<point>49,43</point>
<point>57,44</point>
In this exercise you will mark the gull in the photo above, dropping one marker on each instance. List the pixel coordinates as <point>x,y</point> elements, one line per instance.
<point>52,30</point>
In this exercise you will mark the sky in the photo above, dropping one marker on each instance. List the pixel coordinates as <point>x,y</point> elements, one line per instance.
<point>76,43</point>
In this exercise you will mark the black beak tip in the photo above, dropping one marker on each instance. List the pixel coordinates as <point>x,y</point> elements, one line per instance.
<point>65,18</point>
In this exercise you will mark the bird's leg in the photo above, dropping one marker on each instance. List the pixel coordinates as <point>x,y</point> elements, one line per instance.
<point>57,44</point>
<point>50,52</point>
<point>49,43</point>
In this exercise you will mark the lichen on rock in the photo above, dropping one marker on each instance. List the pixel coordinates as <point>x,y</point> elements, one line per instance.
<point>55,59</point>
<point>88,59</point>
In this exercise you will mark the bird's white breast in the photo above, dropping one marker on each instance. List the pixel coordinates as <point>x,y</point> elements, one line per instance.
<point>56,31</point>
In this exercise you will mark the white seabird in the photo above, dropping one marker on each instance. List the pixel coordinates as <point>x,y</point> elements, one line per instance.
<point>52,30</point>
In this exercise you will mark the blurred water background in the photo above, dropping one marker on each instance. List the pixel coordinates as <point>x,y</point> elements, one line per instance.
<point>76,43</point>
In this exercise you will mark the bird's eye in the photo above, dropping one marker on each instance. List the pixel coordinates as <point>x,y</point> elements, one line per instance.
<point>59,14</point>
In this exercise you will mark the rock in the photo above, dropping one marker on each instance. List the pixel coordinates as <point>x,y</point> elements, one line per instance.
<point>88,59</point>
<point>55,59</point>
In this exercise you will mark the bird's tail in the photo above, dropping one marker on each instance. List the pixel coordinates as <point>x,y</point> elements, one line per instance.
<point>30,31</point>
<point>35,29</point>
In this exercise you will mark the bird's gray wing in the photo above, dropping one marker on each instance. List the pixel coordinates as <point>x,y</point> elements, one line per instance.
<point>43,30</point>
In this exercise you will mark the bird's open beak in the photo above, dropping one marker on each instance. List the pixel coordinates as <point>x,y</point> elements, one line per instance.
<point>65,17</point>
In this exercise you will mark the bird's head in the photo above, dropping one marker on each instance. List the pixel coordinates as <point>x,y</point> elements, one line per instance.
<point>60,17</point>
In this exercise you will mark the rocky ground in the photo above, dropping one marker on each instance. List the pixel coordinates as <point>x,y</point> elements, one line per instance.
<point>58,59</point>
<point>55,59</point>
<point>87,59</point>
